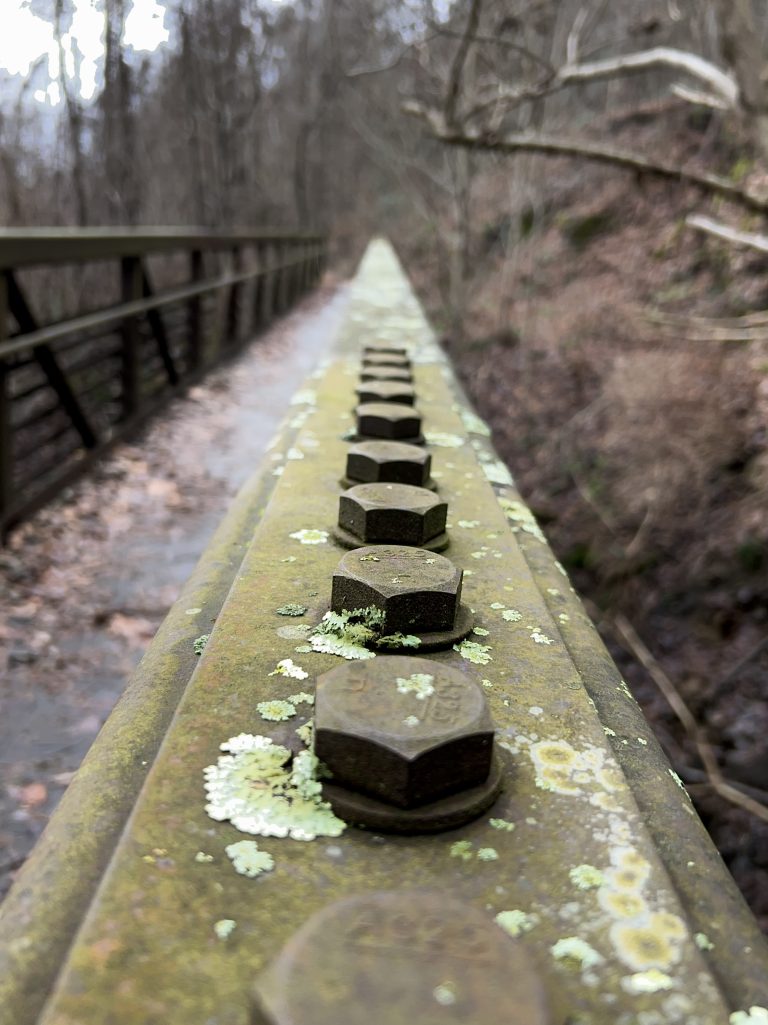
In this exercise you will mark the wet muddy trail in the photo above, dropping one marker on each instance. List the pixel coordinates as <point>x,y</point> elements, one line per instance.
<point>85,584</point>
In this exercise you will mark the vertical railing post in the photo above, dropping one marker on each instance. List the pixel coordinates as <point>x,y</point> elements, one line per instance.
<point>270,292</point>
<point>282,254</point>
<point>257,298</point>
<point>131,287</point>
<point>195,315</point>
<point>306,266</point>
<point>6,437</point>
<point>246,297</point>
<point>233,307</point>
<point>276,280</point>
<point>293,285</point>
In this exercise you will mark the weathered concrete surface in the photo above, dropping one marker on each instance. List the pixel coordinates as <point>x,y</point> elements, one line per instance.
<point>565,858</point>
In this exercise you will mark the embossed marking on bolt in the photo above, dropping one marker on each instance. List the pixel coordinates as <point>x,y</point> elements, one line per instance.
<point>400,957</point>
<point>406,730</point>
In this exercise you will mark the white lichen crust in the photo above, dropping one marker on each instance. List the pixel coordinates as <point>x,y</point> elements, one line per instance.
<point>248,859</point>
<point>263,791</point>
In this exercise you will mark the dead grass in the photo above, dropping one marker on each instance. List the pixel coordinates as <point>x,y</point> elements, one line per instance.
<point>645,458</point>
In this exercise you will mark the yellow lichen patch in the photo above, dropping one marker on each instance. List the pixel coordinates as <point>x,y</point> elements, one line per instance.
<point>562,769</point>
<point>671,925</point>
<point>611,780</point>
<point>626,857</point>
<point>626,879</point>
<point>621,905</point>
<point>605,802</point>
<point>643,946</point>
<point>553,753</point>
<point>557,780</point>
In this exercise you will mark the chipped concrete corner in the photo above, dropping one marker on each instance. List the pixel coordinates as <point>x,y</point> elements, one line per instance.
<point>572,859</point>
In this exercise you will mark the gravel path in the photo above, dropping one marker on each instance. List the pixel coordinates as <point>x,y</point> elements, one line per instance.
<point>85,584</point>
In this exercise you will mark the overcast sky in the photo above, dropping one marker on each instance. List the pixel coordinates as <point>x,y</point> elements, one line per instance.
<point>25,38</point>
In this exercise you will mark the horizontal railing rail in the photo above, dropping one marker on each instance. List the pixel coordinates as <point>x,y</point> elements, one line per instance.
<point>35,246</point>
<point>72,386</point>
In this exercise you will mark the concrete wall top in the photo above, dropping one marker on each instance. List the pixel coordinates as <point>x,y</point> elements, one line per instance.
<point>592,857</point>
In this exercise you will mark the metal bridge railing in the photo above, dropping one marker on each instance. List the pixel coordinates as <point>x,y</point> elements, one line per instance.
<point>71,383</point>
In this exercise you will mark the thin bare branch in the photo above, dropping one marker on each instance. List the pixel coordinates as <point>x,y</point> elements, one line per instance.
<point>456,74</point>
<point>377,69</point>
<point>715,777</point>
<point>699,97</point>
<point>719,81</point>
<point>501,41</point>
<point>574,36</point>
<point>699,222</point>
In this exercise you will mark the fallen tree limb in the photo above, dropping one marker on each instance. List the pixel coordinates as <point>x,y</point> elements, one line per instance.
<point>699,222</point>
<point>556,146</point>
<point>722,84</point>
<point>715,778</point>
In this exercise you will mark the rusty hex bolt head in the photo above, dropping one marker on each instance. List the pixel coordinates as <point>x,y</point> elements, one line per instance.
<point>392,958</point>
<point>391,461</point>
<point>418,591</point>
<point>379,349</point>
<point>406,730</point>
<point>397,513</point>
<point>388,420</point>
<point>384,359</point>
<point>386,374</point>
<point>386,391</point>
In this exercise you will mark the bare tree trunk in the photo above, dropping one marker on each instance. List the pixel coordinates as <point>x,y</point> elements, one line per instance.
<point>74,125</point>
<point>741,44</point>
<point>119,127</point>
<point>194,112</point>
<point>460,250</point>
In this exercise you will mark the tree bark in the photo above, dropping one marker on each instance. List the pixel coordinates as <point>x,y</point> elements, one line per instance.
<point>740,41</point>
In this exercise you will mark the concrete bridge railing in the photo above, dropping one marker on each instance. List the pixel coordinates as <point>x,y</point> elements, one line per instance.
<point>161,307</point>
<point>557,875</point>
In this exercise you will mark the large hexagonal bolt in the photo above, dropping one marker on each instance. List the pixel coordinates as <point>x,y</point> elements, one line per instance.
<point>384,349</point>
<point>392,958</point>
<point>391,461</point>
<point>385,346</point>
<point>418,591</point>
<point>388,420</point>
<point>405,730</point>
<point>384,359</point>
<point>386,374</point>
<point>395,513</point>
<point>386,391</point>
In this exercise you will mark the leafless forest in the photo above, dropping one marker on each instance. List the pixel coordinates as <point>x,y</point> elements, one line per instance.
<point>579,191</point>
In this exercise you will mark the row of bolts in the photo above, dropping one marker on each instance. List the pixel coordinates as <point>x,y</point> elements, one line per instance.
<point>405,956</point>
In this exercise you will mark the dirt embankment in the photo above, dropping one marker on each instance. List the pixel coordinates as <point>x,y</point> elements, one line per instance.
<point>643,449</point>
